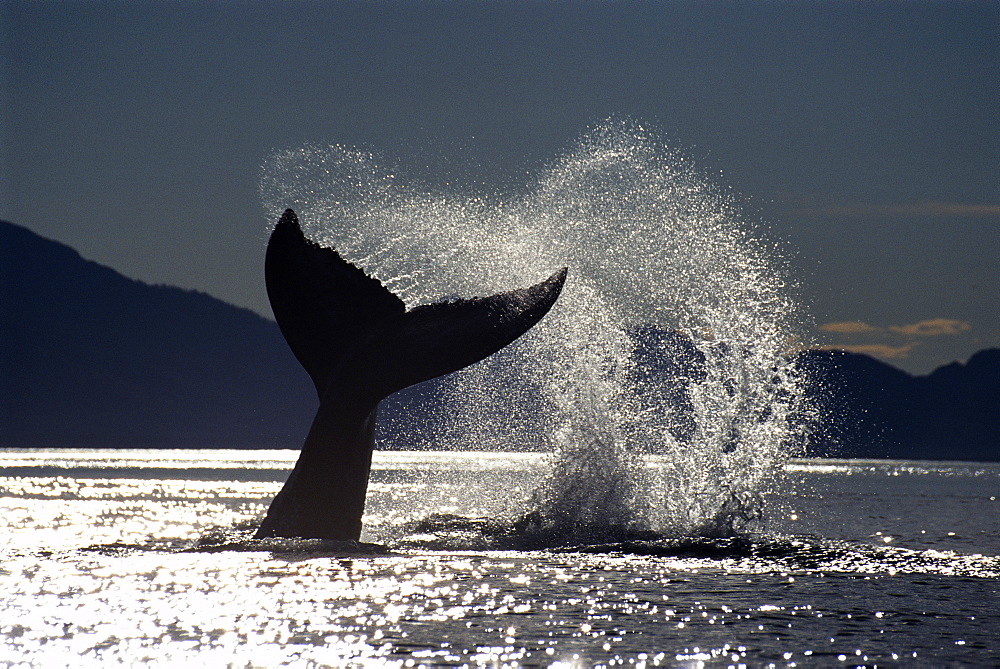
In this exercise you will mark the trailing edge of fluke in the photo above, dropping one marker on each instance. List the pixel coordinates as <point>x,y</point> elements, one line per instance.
<point>359,344</point>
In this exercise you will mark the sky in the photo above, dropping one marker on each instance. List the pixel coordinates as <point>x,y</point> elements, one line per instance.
<point>864,135</point>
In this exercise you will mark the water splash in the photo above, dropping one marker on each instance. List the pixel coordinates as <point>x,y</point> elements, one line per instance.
<point>659,382</point>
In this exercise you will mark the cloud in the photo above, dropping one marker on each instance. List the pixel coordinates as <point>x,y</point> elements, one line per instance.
<point>849,327</point>
<point>877,350</point>
<point>894,342</point>
<point>932,328</point>
<point>914,209</point>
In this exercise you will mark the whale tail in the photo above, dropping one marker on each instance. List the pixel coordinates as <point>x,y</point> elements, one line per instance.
<point>345,327</point>
<point>359,344</point>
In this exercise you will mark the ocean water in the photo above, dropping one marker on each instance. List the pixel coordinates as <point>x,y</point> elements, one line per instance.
<point>140,558</point>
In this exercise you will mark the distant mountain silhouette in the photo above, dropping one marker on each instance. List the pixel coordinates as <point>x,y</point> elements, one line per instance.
<point>870,409</point>
<point>89,358</point>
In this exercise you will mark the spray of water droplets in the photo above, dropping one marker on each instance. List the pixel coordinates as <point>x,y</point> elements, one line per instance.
<point>659,381</point>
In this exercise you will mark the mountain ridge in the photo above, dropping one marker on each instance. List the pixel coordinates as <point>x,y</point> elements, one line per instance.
<point>90,358</point>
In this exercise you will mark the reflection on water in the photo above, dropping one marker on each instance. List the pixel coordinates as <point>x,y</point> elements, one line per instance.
<point>883,563</point>
<point>239,609</point>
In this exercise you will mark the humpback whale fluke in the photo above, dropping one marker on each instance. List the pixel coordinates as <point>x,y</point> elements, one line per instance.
<point>359,344</point>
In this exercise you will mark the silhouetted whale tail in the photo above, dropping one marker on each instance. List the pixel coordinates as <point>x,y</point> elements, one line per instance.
<point>359,344</point>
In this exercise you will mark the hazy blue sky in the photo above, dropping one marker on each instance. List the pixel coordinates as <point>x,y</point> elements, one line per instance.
<point>865,133</point>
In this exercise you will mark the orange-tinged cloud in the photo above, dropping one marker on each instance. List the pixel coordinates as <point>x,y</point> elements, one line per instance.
<point>932,328</point>
<point>849,327</point>
<point>906,336</point>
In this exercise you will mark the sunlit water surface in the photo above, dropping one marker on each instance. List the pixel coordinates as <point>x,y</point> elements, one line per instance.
<point>860,562</point>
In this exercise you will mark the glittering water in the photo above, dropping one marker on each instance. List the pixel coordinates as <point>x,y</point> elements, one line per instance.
<point>658,257</point>
<point>863,563</point>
